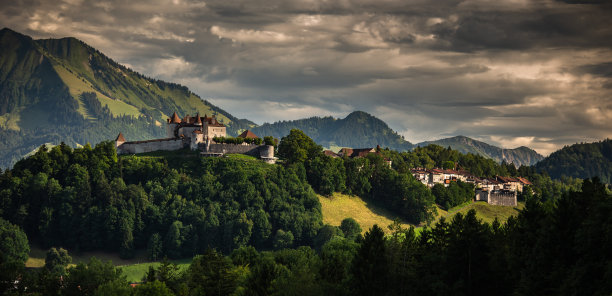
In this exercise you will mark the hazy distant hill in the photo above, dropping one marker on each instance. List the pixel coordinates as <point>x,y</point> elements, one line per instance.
<point>519,156</point>
<point>57,90</point>
<point>357,130</point>
<point>584,160</point>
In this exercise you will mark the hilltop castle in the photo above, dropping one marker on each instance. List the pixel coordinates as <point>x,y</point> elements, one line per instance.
<point>197,133</point>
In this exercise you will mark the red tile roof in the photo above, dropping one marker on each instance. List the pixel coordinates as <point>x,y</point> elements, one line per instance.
<point>175,118</point>
<point>330,153</point>
<point>120,138</point>
<point>360,152</point>
<point>524,181</point>
<point>506,179</point>
<point>212,121</point>
<point>248,134</point>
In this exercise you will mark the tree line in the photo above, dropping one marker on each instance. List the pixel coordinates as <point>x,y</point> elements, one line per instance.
<point>563,250</point>
<point>88,198</point>
<point>393,186</point>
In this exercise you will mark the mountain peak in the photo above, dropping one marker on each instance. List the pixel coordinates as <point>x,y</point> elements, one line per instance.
<point>356,115</point>
<point>8,33</point>
<point>357,130</point>
<point>518,156</point>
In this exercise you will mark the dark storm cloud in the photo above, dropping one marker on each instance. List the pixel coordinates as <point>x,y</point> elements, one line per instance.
<point>603,69</point>
<point>514,72</point>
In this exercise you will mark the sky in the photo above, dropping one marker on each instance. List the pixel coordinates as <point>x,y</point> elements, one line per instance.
<point>510,73</point>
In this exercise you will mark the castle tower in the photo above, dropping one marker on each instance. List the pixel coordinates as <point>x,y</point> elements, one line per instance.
<point>198,120</point>
<point>173,123</point>
<point>120,140</point>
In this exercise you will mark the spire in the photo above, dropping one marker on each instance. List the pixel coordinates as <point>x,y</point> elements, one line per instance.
<point>175,118</point>
<point>198,120</point>
<point>120,138</point>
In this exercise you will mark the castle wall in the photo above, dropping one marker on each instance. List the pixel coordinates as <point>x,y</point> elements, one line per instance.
<point>170,127</point>
<point>187,130</point>
<point>482,195</point>
<point>150,146</point>
<point>497,198</point>
<point>249,149</point>
<point>502,198</point>
<point>266,151</point>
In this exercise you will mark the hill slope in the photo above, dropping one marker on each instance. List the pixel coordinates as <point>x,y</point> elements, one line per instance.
<point>584,160</point>
<point>357,130</point>
<point>519,156</point>
<point>57,90</point>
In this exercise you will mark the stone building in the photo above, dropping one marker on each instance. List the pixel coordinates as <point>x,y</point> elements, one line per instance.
<point>497,197</point>
<point>196,133</point>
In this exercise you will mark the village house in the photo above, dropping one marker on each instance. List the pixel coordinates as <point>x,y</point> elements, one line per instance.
<point>496,191</point>
<point>358,153</point>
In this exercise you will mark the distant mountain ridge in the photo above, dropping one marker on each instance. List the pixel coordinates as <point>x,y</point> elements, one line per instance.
<point>519,156</point>
<point>583,160</point>
<point>357,130</point>
<point>56,90</point>
<point>63,90</point>
<point>361,130</point>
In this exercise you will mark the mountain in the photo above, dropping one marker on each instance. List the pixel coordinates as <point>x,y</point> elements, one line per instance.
<point>63,90</point>
<point>584,160</point>
<point>357,130</point>
<point>519,156</point>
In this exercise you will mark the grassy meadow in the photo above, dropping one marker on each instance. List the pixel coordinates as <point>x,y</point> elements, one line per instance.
<point>135,272</point>
<point>134,269</point>
<point>339,206</point>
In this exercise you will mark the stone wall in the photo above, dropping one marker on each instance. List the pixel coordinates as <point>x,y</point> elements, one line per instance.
<point>150,146</point>
<point>249,149</point>
<point>482,195</point>
<point>501,198</point>
<point>497,197</point>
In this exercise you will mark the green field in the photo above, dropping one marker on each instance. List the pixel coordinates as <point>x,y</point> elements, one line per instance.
<point>78,86</point>
<point>37,257</point>
<point>487,212</point>
<point>134,269</point>
<point>340,206</point>
<point>135,272</point>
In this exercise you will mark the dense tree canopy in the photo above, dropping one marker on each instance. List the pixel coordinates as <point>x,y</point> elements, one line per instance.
<point>89,199</point>
<point>584,160</point>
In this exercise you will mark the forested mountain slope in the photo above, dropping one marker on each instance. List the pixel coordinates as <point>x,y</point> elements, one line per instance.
<point>519,156</point>
<point>582,160</point>
<point>357,130</point>
<point>58,90</point>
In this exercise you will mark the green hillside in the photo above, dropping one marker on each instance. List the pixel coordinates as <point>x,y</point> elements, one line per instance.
<point>357,130</point>
<point>519,156</point>
<point>62,90</point>
<point>584,160</point>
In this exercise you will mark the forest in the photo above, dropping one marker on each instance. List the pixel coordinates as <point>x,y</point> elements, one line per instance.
<point>563,250</point>
<point>256,229</point>
<point>580,160</point>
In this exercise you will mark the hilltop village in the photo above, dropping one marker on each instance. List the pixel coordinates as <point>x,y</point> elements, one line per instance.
<point>495,191</point>
<point>204,134</point>
<point>198,133</point>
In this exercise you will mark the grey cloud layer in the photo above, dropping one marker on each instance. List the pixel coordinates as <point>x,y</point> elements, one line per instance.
<point>518,72</point>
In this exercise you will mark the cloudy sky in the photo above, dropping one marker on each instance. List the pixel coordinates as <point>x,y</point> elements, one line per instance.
<point>511,72</point>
